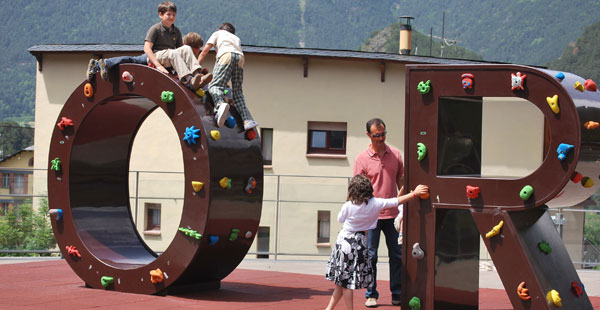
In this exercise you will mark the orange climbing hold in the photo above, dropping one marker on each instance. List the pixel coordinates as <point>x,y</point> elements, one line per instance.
<point>589,125</point>
<point>72,250</point>
<point>156,276</point>
<point>523,292</point>
<point>88,90</point>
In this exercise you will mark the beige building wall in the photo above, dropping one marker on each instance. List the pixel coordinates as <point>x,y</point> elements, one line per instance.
<point>282,99</point>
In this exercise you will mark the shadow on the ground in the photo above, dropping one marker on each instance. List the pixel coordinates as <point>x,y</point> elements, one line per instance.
<point>252,292</point>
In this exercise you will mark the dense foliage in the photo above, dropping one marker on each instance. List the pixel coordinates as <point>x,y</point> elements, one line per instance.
<point>583,56</point>
<point>24,228</point>
<point>519,31</point>
<point>14,138</point>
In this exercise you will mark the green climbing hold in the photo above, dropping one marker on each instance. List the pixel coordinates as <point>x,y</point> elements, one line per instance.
<point>166,96</point>
<point>55,164</point>
<point>421,151</point>
<point>545,247</point>
<point>526,192</point>
<point>234,234</point>
<point>424,87</point>
<point>190,233</point>
<point>107,281</point>
<point>415,303</point>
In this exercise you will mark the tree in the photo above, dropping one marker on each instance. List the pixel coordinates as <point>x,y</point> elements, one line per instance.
<point>14,138</point>
<point>23,228</point>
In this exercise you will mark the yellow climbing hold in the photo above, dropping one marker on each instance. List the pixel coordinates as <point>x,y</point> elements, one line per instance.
<point>587,182</point>
<point>215,134</point>
<point>553,103</point>
<point>225,183</point>
<point>554,299</point>
<point>495,231</point>
<point>579,86</point>
<point>197,186</point>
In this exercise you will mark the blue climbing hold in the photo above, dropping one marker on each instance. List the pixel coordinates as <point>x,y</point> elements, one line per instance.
<point>560,76</point>
<point>213,240</point>
<point>563,149</point>
<point>190,135</point>
<point>230,122</point>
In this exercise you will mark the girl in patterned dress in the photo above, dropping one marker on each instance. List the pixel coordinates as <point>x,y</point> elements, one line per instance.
<point>348,267</point>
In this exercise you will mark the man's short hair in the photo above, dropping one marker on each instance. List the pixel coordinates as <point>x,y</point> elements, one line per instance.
<point>227,27</point>
<point>166,6</point>
<point>375,121</point>
<point>193,39</point>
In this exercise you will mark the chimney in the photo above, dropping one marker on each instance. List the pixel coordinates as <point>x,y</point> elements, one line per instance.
<point>405,34</point>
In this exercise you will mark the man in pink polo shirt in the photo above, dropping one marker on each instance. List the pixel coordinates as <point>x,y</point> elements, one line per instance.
<point>383,165</point>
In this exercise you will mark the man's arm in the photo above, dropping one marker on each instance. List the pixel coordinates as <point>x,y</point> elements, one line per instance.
<point>152,58</point>
<point>204,52</point>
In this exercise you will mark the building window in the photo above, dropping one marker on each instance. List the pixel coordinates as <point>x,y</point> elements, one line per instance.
<point>266,140</point>
<point>326,138</point>
<point>5,180</point>
<point>459,136</point>
<point>3,208</point>
<point>323,226</point>
<point>152,216</point>
<point>19,185</point>
<point>262,242</point>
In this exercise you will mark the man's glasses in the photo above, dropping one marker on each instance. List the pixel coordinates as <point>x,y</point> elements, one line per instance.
<point>378,135</point>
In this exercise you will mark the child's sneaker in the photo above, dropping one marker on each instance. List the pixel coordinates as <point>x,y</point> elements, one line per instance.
<point>249,124</point>
<point>220,115</point>
<point>103,69</point>
<point>91,69</point>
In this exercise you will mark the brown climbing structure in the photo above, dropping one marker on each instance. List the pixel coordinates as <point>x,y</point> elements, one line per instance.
<point>92,187</point>
<point>449,224</point>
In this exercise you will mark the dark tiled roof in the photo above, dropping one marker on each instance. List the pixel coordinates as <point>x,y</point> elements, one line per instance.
<point>251,49</point>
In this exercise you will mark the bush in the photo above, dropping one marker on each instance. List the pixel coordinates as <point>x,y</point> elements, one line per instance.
<point>23,228</point>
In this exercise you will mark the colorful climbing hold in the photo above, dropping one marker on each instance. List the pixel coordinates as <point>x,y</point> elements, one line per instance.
<point>587,182</point>
<point>472,192</point>
<point>156,276</point>
<point>225,183</point>
<point>212,240</point>
<point>590,85</point>
<point>197,185</point>
<point>553,298</point>
<point>544,247</point>
<point>577,288</point>
<point>553,103</point>
<point>190,135</point>
<point>127,77</point>
<point>589,125</point>
<point>424,87</point>
<point>230,122</point>
<point>560,76</point>
<point>417,252</point>
<point>88,90</point>
<point>72,250</point>
<point>215,135</point>
<point>251,134</point>
<point>495,230</point>
<point>467,80</point>
<point>107,281</point>
<point>248,234</point>
<point>55,164</point>
<point>415,303</point>
<point>200,92</point>
<point>517,81</point>
<point>576,177</point>
<point>563,149</point>
<point>421,151</point>
<point>526,192</point>
<point>251,185</point>
<point>64,123</point>
<point>523,292</point>
<point>167,96</point>
<point>56,214</point>
<point>234,234</point>
<point>424,196</point>
<point>190,233</point>
<point>579,86</point>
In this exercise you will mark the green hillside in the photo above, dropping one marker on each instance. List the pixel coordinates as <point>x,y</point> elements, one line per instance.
<point>520,31</point>
<point>387,40</point>
<point>582,57</point>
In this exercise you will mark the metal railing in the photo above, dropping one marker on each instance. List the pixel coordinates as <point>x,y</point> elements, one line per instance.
<point>299,197</point>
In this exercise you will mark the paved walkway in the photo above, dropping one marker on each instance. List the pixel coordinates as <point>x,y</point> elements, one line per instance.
<point>256,284</point>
